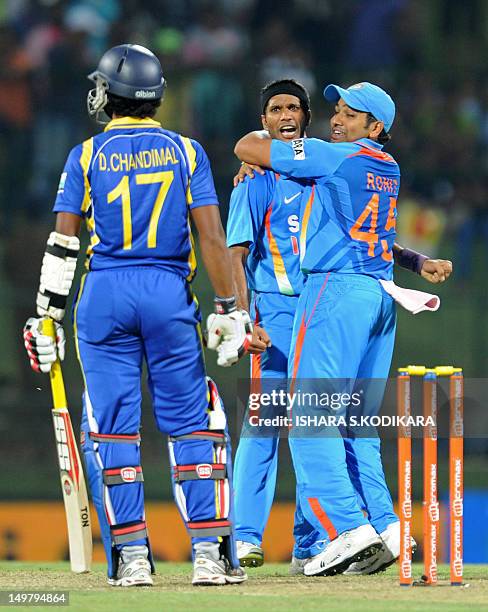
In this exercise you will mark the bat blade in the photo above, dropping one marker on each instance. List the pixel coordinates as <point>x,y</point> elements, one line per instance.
<point>71,474</point>
<point>74,492</point>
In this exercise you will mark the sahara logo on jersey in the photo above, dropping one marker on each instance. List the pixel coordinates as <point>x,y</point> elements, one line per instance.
<point>293,224</point>
<point>298,147</point>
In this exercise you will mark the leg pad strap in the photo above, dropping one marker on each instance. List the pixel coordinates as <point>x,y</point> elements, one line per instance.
<point>217,437</point>
<point>128,532</point>
<point>123,475</point>
<point>200,471</point>
<point>212,527</point>
<point>116,438</point>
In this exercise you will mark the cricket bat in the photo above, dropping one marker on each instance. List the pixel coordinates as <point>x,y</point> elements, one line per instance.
<point>70,471</point>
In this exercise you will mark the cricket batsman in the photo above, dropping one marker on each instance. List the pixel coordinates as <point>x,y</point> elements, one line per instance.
<point>136,186</point>
<point>344,325</point>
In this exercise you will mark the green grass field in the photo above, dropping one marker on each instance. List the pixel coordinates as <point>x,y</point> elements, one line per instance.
<point>269,588</point>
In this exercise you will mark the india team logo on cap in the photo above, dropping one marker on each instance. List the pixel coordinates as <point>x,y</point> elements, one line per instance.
<point>357,86</point>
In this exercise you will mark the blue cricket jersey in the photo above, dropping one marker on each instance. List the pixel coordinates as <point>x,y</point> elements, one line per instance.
<point>350,223</point>
<point>264,212</point>
<point>134,185</point>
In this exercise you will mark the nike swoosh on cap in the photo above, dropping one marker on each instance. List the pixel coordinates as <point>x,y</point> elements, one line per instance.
<point>288,200</point>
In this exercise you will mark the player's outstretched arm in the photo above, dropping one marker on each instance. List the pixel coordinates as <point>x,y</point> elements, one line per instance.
<point>215,254</point>
<point>255,148</point>
<point>239,253</point>
<point>57,273</point>
<point>433,270</point>
<point>229,330</point>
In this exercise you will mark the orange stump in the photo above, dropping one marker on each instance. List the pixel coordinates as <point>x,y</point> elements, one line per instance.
<point>456,468</point>
<point>430,503</point>
<point>405,480</point>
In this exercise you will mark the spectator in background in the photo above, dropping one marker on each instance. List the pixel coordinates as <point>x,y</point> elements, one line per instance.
<point>368,52</point>
<point>60,118</point>
<point>95,17</point>
<point>15,121</point>
<point>282,56</point>
<point>215,47</point>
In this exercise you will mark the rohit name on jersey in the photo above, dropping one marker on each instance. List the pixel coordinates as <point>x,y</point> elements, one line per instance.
<point>377,182</point>
<point>149,158</point>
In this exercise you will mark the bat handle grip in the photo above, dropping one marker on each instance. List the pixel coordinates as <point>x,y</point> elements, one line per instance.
<point>55,374</point>
<point>48,328</point>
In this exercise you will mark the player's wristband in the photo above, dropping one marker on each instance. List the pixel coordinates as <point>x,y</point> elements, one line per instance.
<point>224,305</point>
<point>410,260</point>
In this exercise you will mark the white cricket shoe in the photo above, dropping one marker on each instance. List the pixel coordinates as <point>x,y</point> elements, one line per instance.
<point>297,565</point>
<point>383,558</point>
<point>134,568</point>
<point>207,572</point>
<point>249,555</point>
<point>351,546</point>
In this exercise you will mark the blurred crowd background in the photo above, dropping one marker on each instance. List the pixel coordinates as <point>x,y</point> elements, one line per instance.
<point>216,55</point>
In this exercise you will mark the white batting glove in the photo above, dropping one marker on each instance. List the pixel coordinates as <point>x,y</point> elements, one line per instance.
<point>42,350</point>
<point>229,333</point>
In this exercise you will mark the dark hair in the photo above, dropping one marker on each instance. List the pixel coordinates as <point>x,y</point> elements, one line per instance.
<point>383,137</point>
<point>286,86</point>
<point>125,107</point>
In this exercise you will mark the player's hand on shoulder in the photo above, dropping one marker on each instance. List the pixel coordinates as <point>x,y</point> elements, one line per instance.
<point>247,170</point>
<point>42,349</point>
<point>260,340</point>
<point>436,270</point>
<point>229,332</point>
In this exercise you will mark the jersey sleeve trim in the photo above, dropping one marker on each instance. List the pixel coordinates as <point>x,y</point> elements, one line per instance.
<point>85,159</point>
<point>192,164</point>
<point>192,258</point>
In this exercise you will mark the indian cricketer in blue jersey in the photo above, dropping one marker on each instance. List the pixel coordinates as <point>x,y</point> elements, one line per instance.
<point>345,322</point>
<point>136,185</point>
<point>262,231</point>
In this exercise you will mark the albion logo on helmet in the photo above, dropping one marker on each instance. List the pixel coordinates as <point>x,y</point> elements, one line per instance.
<point>143,93</point>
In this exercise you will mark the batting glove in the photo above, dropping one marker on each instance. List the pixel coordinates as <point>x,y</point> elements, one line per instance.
<point>229,332</point>
<point>42,350</point>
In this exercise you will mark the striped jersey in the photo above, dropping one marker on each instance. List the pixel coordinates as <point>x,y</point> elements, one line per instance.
<point>264,213</point>
<point>134,185</point>
<point>349,223</point>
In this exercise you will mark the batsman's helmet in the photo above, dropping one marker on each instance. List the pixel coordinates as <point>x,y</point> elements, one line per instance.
<point>128,71</point>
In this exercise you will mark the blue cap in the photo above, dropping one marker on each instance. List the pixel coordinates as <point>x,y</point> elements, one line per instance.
<point>367,98</point>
